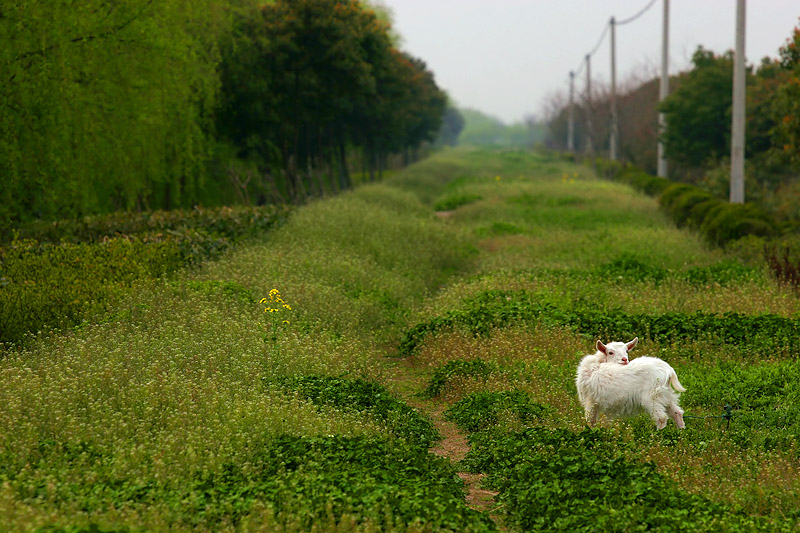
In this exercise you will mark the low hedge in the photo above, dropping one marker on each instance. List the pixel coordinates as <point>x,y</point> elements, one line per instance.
<point>225,222</point>
<point>766,332</point>
<point>719,221</point>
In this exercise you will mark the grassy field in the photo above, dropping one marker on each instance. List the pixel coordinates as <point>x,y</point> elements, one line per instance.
<point>402,358</point>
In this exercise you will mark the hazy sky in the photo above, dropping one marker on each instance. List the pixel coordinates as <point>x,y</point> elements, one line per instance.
<point>507,57</point>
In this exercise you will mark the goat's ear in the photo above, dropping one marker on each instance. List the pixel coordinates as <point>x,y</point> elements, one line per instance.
<point>631,345</point>
<point>601,347</point>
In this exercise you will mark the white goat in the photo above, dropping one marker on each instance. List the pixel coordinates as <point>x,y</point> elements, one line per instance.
<point>609,384</point>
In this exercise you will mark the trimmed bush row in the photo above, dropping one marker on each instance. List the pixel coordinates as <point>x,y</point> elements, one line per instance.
<point>313,480</point>
<point>558,480</point>
<point>227,222</point>
<point>50,284</point>
<point>719,221</point>
<point>494,309</point>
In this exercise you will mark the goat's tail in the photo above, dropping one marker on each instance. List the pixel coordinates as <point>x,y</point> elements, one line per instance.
<point>673,379</point>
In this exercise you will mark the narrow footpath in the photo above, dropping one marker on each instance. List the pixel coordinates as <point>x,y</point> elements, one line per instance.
<point>408,382</point>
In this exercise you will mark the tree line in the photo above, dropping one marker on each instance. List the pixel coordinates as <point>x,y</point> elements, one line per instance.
<point>137,104</point>
<point>698,125</point>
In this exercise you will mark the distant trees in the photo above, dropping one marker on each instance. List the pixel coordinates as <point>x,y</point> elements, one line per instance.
<point>485,130</point>
<point>697,134</point>
<point>303,81</point>
<point>139,104</point>
<point>452,124</point>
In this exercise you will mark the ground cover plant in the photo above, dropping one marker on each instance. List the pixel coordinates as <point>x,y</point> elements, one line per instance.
<point>385,327</point>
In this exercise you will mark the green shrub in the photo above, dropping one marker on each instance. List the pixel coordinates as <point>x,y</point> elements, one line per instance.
<point>671,194</point>
<point>629,267</point>
<point>370,398</point>
<point>81,266</point>
<point>728,222</point>
<point>48,285</point>
<point>699,212</point>
<point>481,410</point>
<point>681,206</point>
<point>475,368</point>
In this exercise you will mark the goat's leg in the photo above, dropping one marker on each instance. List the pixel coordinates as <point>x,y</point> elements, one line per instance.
<point>658,414</point>
<point>591,415</point>
<point>676,414</point>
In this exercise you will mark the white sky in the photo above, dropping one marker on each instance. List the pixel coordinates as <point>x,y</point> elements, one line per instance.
<point>506,57</point>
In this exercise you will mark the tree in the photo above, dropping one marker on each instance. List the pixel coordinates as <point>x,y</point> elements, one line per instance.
<point>104,105</point>
<point>699,112</point>
<point>785,106</point>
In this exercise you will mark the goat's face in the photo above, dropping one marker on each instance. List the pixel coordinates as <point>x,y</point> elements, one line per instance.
<point>617,352</point>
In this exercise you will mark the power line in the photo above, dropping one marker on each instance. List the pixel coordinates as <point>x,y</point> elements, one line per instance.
<point>637,15</point>
<point>600,40</point>
<point>584,62</point>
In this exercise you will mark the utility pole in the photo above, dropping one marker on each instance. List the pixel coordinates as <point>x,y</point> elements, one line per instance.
<point>737,126</point>
<point>588,110</point>
<point>613,139</point>
<point>571,122</point>
<point>663,89</point>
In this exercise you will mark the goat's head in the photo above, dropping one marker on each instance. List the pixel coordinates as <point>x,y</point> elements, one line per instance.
<point>617,352</point>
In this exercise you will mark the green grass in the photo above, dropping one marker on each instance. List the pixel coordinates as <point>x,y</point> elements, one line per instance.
<point>187,407</point>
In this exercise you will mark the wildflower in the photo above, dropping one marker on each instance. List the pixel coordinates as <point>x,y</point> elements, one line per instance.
<point>274,303</point>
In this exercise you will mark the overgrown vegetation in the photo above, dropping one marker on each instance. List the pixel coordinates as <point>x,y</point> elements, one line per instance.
<point>73,269</point>
<point>183,407</point>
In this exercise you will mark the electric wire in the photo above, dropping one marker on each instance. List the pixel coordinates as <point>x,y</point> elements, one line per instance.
<point>637,15</point>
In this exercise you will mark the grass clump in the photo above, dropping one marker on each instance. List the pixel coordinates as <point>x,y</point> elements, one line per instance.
<point>482,410</point>
<point>474,368</point>
<point>454,201</point>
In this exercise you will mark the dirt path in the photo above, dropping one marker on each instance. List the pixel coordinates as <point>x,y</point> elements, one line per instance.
<point>407,382</point>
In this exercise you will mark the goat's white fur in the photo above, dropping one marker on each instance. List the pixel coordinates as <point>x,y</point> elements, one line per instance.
<point>607,383</point>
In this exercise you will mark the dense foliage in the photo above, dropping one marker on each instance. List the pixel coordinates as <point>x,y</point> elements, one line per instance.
<point>135,106</point>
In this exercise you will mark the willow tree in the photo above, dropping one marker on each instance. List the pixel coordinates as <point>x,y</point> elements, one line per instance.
<point>104,105</point>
